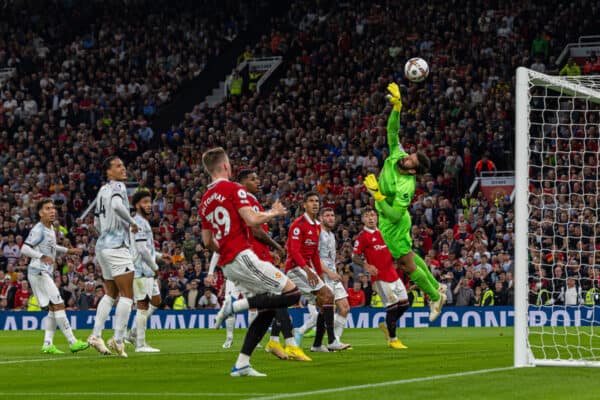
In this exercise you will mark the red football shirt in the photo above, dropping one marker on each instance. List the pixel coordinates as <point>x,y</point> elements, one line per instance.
<point>371,244</point>
<point>355,299</point>
<point>219,214</point>
<point>302,245</point>
<point>262,250</point>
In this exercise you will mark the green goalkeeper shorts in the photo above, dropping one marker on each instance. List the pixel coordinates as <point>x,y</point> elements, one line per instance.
<point>397,236</point>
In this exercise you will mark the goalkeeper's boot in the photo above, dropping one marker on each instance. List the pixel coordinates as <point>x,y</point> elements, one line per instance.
<point>384,328</point>
<point>296,353</point>
<point>311,334</point>
<point>99,345</point>
<point>276,349</point>
<point>117,347</point>
<point>442,288</point>
<point>225,311</point>
<point>435,307</point>
<point>52,349</point>
<point>396,344</point>
<point>78,345</point>
<point>245,371</point>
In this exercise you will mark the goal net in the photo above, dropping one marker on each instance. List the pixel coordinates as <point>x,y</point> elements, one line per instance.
<point>557,228</point>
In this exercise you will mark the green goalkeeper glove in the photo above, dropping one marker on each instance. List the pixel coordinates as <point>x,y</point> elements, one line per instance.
<point>394,96</point>
<point>372,186</point>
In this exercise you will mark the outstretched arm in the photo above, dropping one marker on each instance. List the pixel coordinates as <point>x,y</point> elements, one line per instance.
<point>393,124</point>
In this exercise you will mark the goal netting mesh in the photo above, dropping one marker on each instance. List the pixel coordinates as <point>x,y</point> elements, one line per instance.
<point>561,206</point>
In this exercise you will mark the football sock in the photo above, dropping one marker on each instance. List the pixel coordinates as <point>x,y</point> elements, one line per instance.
<point>255,333</point>
<point>394,312</point>
<point>252,313</point>
<point>229,324</point>
<point>122,317</point>
<point>284,322</point>
<point>421,280</point>
<point>50,329</point>
<point>240,305</point>
<point>340,323</point>
<point>311,321</point>
<point>320,330</point>
<point>329,324</point>
<point>141,318</point>
<point>270,301</point>
<point>423,266</point>
<point>63,324</point>
<point>102,314</point>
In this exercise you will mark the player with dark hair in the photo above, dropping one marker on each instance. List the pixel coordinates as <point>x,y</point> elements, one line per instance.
<point>304,268</point>
<point>393,193</point>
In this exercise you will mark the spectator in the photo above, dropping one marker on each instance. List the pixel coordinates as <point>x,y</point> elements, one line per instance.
<point>464,294</point>
<point>208,300</point>
<point>540,46</point>
<point>192,295</point>
<point>356,297</point>
<point>366,287</point>
<point>484,165</point>
<point>571,294</point>
<point>570,69</point>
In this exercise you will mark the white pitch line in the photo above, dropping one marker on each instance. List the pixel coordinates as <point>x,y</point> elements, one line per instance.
<point>381,384</point>
<point>130,394</point>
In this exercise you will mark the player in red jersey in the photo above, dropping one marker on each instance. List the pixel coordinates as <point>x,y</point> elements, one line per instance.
<point>380,265</point>
<point>261,243</point>
<point>304,268</point>
<point>226,212</point>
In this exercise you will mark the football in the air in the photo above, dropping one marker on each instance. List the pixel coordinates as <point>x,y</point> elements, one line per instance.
<point>416,69</point>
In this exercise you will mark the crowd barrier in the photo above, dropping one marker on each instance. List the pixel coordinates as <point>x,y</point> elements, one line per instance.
<point>358,318</point>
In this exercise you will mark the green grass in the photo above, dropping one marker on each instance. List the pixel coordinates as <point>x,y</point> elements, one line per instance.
<point>192,364</point>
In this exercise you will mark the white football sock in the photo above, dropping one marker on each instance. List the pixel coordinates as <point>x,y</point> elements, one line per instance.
<point>252,314</point>
<point>229,324</point>
<point>240,305</point>
<point>338,325</point>
<point>63,324</point>
<point>102,313</point>
<point>290,341</point>
<point>141,318</point>
<point>122,314</point>
<point>50,329</point>
<point>242,361</point>
<point>274,339</point>
<point>311,322</point>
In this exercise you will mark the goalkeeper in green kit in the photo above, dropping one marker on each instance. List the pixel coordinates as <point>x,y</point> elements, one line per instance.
<point>393,193</point>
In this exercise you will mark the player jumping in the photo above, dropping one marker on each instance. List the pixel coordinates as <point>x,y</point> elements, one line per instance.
<point>380,265</point>
<point>225,212</point>
<point>41,247</point>
<point>114,254</point>
<point>393,193</point>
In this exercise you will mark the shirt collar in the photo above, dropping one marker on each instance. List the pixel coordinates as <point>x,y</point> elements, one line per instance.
<point>310,221</point>
<point>370,230</point>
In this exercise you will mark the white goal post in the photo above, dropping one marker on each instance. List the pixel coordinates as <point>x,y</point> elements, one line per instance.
<point>557,229</point>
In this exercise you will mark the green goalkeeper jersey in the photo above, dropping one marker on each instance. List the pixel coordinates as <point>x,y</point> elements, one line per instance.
<point>399,190</point>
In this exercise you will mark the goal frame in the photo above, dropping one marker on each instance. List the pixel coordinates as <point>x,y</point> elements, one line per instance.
<point>523,356</point>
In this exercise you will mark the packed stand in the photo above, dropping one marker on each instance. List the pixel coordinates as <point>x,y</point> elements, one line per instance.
<point>321,127</point>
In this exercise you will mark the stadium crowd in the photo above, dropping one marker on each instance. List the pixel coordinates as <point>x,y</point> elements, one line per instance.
<point>77,98</point>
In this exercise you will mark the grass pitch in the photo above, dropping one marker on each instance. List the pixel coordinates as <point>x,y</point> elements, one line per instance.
<point>450,363</point>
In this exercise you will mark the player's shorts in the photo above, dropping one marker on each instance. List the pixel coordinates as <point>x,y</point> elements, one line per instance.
<point>337,288</point>
<point>300,278</point>
<point>232,290</point>
<point>391,292</point>
<point>251,275</point>
<point>44,289</point>
<point>145,287</point>
<point>115,262</point>
<point>397,236</point>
